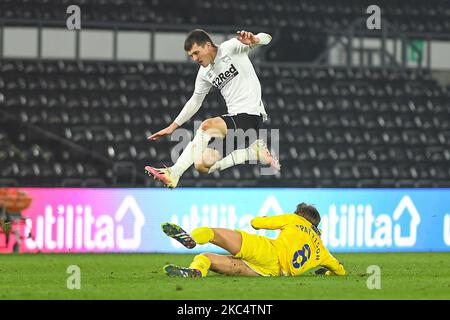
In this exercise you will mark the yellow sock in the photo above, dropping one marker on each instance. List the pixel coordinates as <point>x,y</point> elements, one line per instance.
<point>202,235</point>
<point>202,263</point>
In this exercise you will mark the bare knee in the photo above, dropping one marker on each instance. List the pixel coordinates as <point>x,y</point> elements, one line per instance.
<point>201,168</point>
<point>215,127</point>
<point>227,239</point>
<point>207,124</point>
<point>209,157</point>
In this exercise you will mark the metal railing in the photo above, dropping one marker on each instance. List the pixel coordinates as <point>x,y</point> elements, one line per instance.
<point>115,28</point>
<point>345,38</point>
<point>388,32</point>
<point>356,31</point>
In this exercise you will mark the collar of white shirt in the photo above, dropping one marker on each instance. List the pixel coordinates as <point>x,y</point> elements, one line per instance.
<point>218,56</point>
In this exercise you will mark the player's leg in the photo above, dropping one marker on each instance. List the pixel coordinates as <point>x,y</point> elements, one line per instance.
<point>246,126</point>
<point>257,151</point>
<point>210,128</point>
<point>204,262</point>
<point>227,239</point>
<point>258,253</point>
<point>209,158</point>
<point>228,265</point>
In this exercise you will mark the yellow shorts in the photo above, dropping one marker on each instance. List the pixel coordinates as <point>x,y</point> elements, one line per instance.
<point>259,254</point>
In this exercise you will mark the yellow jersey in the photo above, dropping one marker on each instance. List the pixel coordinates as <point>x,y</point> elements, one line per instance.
<point>298,246</point>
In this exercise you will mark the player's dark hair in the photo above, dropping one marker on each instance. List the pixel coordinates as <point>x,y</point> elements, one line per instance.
<point>309,213</point>
<point>197,36</point>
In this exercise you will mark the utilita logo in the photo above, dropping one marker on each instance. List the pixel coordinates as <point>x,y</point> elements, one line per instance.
<point>76,227</point>
<point>356,226</point>
<point>346,226</point>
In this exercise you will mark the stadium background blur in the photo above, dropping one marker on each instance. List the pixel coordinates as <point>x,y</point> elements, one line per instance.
<point>355,109</point>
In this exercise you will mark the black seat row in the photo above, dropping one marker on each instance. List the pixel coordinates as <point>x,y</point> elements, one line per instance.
<point>336,127</point>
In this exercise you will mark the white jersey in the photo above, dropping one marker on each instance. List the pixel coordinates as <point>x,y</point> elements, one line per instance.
<point>233,74</point>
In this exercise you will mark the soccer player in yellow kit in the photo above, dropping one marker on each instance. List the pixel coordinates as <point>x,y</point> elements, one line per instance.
<point>297,248</point>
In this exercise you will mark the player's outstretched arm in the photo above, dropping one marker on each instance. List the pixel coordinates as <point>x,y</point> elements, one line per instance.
<point>252,40</point>
<point>248,38</point>
<point>189,109</point>
<point>331,267</point>
<point>164,132</point>
<point>274,222</point>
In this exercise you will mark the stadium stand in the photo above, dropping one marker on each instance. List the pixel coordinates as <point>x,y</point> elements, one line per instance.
<point>408,15</point>
<point>85,123</point>
<point>301,26</point>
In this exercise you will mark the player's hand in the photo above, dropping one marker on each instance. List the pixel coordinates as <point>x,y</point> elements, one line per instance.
<point>246,37</point>
<point>164,132</point>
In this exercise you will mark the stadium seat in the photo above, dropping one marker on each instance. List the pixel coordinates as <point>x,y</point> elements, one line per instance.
<point>338,127</point>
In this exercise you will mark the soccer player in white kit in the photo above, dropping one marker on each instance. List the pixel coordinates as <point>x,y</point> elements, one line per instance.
<point>228,68</point>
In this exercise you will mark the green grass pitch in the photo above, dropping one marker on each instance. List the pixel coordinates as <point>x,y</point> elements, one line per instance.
<point>140,276</point>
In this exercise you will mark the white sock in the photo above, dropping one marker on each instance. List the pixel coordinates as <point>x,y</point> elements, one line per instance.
<point>236,157</point>
<point>193,151</point>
